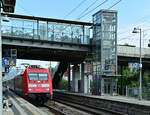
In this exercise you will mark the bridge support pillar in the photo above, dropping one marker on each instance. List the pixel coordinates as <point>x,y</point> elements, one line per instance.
<point>69,85</point>
<point>82,77</point>
<point>85,77</point>
<point>75,78</point>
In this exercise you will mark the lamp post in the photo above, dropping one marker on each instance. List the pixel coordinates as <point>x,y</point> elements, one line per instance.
<point>7,6</point>
<point>138,30</point>
<point>1,87</point>
<point>1,96</point>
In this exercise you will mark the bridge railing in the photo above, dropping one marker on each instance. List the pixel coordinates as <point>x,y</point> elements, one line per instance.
<point>49,31</point>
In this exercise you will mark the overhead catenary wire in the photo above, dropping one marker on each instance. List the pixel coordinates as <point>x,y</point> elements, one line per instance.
<point>74,9</point>
<point>110,6</point>
<point>125,31</point>
<point>128,37</point>
<point>93,9</point>
<point>114,4</point>
<point>19,4</point>
<point>88,8</point>
<point>132,41</point>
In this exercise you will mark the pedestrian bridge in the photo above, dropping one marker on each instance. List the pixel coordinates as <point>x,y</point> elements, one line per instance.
<point>46,38</point>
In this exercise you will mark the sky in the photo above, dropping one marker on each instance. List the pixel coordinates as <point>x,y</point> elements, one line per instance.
<point>43,64</point>
<point>131,13</point>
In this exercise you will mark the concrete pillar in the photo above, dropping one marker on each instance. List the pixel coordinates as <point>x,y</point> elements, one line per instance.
<point>69,85</point>
<point>101,86</point>
<point>87,84</point>
<point>75,78</point>
<point>90,77</point>
<point>82,77</point>
<point>86,78</point>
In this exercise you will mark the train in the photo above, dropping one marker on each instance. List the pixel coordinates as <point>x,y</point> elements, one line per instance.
<point>34,83</point>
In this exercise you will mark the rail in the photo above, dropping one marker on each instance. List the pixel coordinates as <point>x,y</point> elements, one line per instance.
<point>73,100</point>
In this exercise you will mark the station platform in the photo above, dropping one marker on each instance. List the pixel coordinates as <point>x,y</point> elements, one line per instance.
<point>122,104</point>
<point>124,99</point>
<point>20,106</point>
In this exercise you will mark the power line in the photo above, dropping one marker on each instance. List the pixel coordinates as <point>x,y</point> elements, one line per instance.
<point>114,4</point>
<point>139,25</point>
<point>87,8</point>
<point>74,8</point>
<point>128,37</point>
<point>19,4</point>
<point>102,4</point>
<point>92,9</point>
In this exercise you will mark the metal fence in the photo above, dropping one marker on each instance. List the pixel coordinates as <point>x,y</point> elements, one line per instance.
<point>134,92</point>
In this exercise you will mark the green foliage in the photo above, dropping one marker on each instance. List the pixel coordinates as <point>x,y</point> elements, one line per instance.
<point>51,69</point>
<point>131,79</point>
<point>145,80</point>
<point>91,85</point>
<point>63,84</point>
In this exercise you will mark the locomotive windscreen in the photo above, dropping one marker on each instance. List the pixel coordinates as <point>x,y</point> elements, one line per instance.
<point>33,76</point>
<point>43,76</point>
<point>38,76</point>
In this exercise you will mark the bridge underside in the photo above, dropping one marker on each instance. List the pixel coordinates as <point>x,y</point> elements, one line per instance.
<point>37,50</point>
<point>123,61</point>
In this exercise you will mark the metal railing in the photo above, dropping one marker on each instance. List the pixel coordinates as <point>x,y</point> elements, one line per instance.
<point>134,92</point>
<point>42,34</point>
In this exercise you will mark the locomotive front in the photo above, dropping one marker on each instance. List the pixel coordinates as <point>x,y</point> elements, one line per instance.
<point>39,85</point>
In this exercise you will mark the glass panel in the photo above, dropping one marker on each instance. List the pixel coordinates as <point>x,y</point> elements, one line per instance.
<point>50,31</point>
<point>34,29</point>
<point>17,22</point>
<point>109,27</point>
<point>43,30</point>
<point>43,76</point>
<point>17,32</point>
<point>28,33</point>
<point>35,34</point>
<point>6,30</point>
<point>28,24</point>
<point>77,34</point>
<point>33,76</point>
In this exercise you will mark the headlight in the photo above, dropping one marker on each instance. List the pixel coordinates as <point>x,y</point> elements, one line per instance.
<point>32,85</point>
<point>45,85</point>
<point>31,89</point>
<point>47,89</point>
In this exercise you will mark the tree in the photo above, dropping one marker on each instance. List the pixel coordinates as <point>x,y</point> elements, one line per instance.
<point>131,79</point>
<point>63,84</point>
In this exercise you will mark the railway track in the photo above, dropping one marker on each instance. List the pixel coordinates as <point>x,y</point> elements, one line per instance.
<point>61,109</point>
<point>70,101</point>
<point>52,110</point>
<point>90,110</point>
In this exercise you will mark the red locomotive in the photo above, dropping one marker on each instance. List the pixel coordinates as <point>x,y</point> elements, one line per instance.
<point>34,83</point>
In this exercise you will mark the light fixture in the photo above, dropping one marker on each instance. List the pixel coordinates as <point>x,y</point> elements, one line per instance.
<point>5,18</point>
